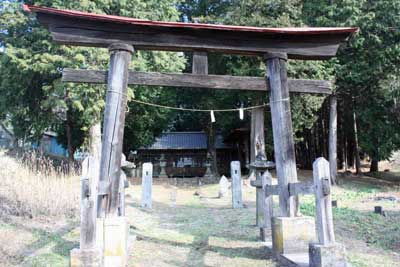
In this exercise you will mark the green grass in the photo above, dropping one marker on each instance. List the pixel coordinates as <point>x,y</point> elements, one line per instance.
<point>207,232</point>
<point>392,176</point>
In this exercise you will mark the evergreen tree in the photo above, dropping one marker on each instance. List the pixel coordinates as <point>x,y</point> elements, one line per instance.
<point>30,68</point>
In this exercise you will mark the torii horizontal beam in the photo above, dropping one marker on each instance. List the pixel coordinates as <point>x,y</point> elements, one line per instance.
<point>88,29</point>
<point>197,81</point>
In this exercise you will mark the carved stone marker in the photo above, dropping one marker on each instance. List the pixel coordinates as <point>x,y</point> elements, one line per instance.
<point>237,202</point>
<point>326,252</point>
<point>224,185</point>
<point>147,183</point>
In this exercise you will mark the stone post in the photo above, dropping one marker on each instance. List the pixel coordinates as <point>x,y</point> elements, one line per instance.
<point>326,252</point>
<point>147,183</point>
<point>163,164</point>
<point>237,202</point>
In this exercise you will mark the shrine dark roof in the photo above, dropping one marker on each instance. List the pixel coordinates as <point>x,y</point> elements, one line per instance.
<point>89,29</point>
<point>184,140</point>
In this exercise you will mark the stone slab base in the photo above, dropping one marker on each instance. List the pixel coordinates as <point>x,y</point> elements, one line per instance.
<point>292,234</point>
<point>86,258</point>
<point>333,255</point>
<point>112,236</point>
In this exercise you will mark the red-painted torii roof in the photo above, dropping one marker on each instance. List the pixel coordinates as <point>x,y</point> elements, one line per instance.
<point>68,26</point>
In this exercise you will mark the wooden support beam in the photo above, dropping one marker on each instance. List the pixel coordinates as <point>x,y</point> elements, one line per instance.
<point>301,189</point>
<point>198,81</point>
<point>200,63</point>
<point>333,138</point>
<point>113,129</point>
<point>271,190</point>
<point>256,183</point>
<point>282,131</point>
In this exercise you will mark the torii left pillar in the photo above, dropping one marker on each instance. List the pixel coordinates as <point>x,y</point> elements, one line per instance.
<point>112,229</point>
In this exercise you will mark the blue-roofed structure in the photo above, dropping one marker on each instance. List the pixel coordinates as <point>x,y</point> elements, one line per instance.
<point>185,153</point>
<point>185,140</point>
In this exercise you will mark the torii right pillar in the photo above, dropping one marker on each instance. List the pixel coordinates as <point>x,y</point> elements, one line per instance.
<point>291,233</point>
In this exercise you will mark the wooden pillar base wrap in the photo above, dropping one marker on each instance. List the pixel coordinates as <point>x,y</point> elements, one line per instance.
<point>113,128</point>
<point>282,131</point>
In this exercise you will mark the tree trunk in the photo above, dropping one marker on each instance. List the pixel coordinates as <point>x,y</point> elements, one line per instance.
<point>68,130</point>
<point>356,149</point>
<point>374,165</point>
<point>211,149</point>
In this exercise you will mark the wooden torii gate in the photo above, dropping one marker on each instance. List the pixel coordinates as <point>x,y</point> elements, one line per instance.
<point>123,35</point>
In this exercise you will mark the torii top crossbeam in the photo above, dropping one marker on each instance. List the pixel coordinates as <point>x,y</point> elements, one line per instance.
<point>88,29</point>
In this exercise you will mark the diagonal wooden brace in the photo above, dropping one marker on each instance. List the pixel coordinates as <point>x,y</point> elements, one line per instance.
<point>306,188</point>
<point>256,183</point>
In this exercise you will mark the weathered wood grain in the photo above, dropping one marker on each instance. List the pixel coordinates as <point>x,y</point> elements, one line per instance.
<point>282,131</point>
<point>271,190</point>
<point>147,184</point>
<point>198,81</point>
<point>81,31</point>
<point>200,63</point>
<point>113,128</point>
<point>323,218</point>
<point>333,138</point>
<point>302,188</point>
<point>237,202</point>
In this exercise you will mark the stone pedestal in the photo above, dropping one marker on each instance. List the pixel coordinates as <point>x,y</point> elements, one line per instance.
<point>112,236</point>
<point>292,234</point>
<point>332,255</point>
<point>86,257</point>
<point>208,170</point>
<point>163,164</point>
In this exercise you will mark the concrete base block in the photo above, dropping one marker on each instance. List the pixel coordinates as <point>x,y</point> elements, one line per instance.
<point>333,255</point>
<point>292,234</point>
<point>86,258</point>
<point>112,236</point>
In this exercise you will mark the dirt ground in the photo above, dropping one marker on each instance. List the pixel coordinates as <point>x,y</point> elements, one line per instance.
<point>184,229</point>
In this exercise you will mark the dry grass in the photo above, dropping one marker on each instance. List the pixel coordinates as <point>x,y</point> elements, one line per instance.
<point>182,229</point>
<point>30,192</point>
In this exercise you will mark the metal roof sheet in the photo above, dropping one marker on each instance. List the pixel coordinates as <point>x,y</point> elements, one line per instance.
<point>184,140</point>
